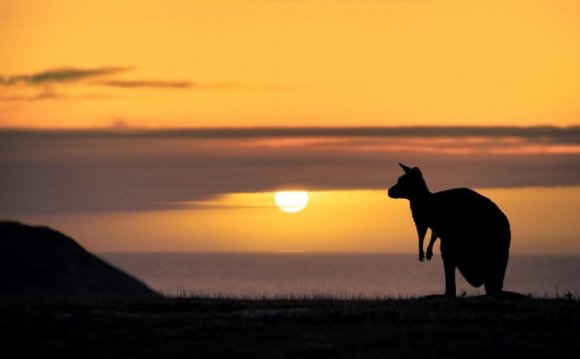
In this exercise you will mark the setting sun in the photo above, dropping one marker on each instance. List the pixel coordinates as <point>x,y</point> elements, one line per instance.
<point>291,201</point>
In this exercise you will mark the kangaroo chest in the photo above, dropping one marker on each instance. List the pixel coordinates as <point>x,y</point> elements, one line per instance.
<point>421,214</point>
<point>425,217</point>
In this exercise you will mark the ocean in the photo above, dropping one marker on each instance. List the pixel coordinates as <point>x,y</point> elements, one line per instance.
<point>274,275</point>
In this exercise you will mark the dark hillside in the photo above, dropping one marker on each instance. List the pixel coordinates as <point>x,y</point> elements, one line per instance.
<point>40,262</point>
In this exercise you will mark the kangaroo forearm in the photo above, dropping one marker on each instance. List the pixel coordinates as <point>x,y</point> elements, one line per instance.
<point>431,242</point>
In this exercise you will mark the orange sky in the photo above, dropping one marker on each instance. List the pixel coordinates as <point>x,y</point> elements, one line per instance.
<point>543,222</point>
<point>198,63</point>
<point>286,63</point>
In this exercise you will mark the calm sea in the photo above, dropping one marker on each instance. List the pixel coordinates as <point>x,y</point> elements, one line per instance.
<point>345,275</point>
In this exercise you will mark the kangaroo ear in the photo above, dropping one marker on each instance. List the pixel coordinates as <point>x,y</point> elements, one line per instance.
<point>416,170</point>
<point>407,170</point>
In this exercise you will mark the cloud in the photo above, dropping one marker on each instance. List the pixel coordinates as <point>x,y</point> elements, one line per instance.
<point>148,83</point>
<point>164,84</point>
<point>47,171</point>
<point>24,87</point>
<point>60,75</point>
<point>50,84</point>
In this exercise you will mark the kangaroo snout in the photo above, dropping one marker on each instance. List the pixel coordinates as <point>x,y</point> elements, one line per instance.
<point>393,192</point>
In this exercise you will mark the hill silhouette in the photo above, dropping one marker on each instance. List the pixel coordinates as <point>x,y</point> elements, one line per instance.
<point>40,262</point>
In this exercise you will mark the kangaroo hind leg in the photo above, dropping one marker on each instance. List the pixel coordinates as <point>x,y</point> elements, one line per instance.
<point>495,277</point>
<point>449,267</point>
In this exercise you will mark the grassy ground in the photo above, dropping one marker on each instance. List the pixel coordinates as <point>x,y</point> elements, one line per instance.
<point>292,328</point>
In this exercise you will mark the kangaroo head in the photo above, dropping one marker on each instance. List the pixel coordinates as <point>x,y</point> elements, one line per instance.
<point>409,185</point>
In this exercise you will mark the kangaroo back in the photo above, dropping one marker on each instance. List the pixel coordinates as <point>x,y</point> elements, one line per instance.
<point>464,212</point>
<point>475,235</point>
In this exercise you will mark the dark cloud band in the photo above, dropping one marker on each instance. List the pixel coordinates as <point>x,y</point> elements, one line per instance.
<point>47,171</point>
<point>564,135</point>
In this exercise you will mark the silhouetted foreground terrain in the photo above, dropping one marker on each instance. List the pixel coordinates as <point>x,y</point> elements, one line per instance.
<point>316,328</point>
<point>41,262</point>
<point>59,301</point>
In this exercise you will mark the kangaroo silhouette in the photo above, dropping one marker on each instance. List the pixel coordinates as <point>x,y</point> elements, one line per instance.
<point>474,232</point>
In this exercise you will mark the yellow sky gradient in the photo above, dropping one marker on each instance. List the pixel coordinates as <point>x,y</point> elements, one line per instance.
<point>543,222</point>
<point>284,63</point>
